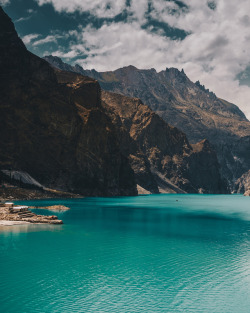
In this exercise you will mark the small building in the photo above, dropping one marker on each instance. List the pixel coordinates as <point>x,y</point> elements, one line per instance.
<point>9,205</point>
<point>19,208</point>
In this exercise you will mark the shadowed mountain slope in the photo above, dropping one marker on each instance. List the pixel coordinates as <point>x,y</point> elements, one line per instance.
<point>186,105</point>
<point>58,128</point>
<point>160,155</point>
<point>173,161</point>
<point>58,133</point>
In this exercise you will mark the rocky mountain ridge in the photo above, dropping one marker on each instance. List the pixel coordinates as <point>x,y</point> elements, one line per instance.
<point>176,165</point>
<point>160,155</point>
<point>60,129</point>
<point>186,105</point>
<point>57,133</point>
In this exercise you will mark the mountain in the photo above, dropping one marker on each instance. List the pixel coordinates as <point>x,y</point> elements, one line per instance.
<point>186,105</point>
<point>242,185</point>
<point>160,155</point>
<point>59,129</point>
<point>175,164</point>
<point>57,133</point>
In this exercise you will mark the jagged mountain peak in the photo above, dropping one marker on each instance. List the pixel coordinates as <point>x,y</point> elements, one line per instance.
<point>132,68</point>
<point>54,59</point>
<point>175,71</point>
<point>129,68</point>
<point>78,67</point>
<point>158,89</point>
<point>190,107</point>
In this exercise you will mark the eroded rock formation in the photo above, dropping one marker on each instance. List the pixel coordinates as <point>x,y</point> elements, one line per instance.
<point>175,164</point>
<point>242,185</point>
<point>186,105</point>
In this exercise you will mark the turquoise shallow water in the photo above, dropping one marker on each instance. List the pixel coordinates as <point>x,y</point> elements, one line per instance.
<point>135,254</point>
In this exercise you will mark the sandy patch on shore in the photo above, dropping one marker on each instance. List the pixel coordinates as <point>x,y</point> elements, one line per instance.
<point>11,223</point>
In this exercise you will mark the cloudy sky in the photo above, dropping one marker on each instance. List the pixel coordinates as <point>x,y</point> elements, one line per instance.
<point>210,40</point>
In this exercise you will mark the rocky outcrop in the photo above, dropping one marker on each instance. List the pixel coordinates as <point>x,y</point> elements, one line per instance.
<point>176,165</point>
<point>242,185</point>
<point>56,208</point>
<point>18,193</point>
<point>25,215</point>
<point>159,154</point>
<point>184,104</point>
<point>57,132</point>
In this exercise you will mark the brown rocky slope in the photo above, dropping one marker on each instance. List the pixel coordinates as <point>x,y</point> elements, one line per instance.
<point>174,163</point>
<point>160,155</point>
<point>186,105</point>
<point>242,185</point>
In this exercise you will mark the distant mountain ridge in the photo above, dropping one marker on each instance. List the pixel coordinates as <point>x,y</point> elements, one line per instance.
<point>186,105</point>
<point>159,154</point>
<point>64,132</point>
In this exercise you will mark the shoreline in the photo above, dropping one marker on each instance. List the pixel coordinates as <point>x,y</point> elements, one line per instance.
<point>23,194</point>
<point>17,215</point>
<point>13,223</point>
<point>53,208</point>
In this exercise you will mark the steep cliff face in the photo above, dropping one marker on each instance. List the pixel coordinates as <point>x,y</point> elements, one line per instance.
<point>57,132</point>
<point>174,163</point>
<point>160,155</point>
<point>186,105</point>
<point>242,185</point>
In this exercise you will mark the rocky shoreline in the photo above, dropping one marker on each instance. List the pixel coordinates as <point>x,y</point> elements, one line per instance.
<point>247,193</point>
<point>56,208</point>
<point>16,215</point>
<point>18,193</point>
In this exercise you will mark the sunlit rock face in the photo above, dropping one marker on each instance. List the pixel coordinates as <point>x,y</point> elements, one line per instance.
<point>176,165</point>
<point>159,154</point>
<point>242,185</point>
<point>186,105</point>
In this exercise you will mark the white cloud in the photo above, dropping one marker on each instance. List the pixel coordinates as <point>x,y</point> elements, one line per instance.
<point>101,8</point>
<point>4,2</point>
<point>29,38</point>
<point>68,55</point>
<point>30,11</point>
<point>216,50</point>
<point>22,19</point>
<point>120,44</point>
<point>49,38</point>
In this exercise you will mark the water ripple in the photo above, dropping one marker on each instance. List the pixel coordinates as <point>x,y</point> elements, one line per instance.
<point>145,254</point>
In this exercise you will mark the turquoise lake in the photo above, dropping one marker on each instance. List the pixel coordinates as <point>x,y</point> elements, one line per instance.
<point>157,253</point>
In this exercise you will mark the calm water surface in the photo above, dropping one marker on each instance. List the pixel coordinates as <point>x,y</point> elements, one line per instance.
<point>135,254</point>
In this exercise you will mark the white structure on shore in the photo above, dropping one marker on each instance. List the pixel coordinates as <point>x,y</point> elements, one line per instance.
<point>13,208</point>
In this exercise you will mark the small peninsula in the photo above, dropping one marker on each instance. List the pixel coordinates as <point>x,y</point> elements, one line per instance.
<point>55,208</point>
<point>13,215</point>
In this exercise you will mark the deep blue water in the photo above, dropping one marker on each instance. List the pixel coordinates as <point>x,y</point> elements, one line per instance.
<point>131,254</point>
